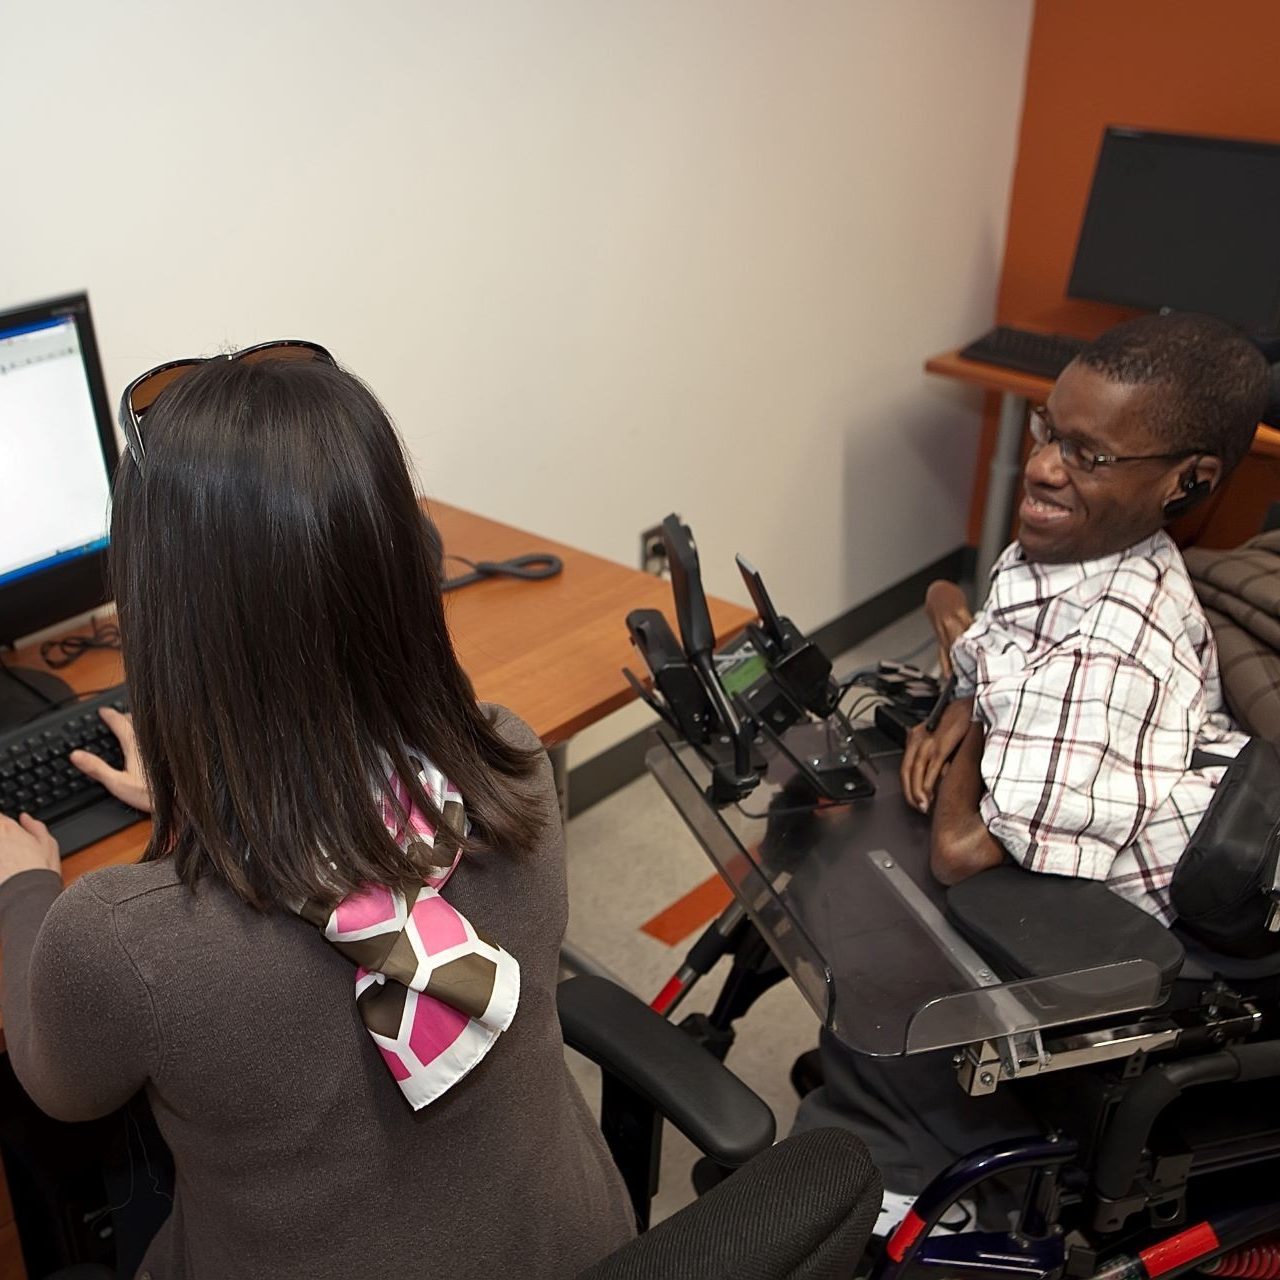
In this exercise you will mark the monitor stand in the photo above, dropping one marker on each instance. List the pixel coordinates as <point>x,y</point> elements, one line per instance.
<point>20,695</point>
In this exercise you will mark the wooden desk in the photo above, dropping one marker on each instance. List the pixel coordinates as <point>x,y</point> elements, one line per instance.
<point>552,651</point>
<point>1017,391</point>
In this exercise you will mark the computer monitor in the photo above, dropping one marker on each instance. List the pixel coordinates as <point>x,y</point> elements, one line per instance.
<point>1185,223</point>
<point>57,458</point>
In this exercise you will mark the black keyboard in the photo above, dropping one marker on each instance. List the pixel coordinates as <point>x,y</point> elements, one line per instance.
<point>1046,354</point>
<point>37,778</point>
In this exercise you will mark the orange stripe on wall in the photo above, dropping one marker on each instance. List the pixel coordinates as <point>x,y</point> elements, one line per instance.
<point>698,907</point>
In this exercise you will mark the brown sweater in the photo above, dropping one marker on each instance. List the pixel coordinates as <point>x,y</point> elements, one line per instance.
<point>296,1153</point>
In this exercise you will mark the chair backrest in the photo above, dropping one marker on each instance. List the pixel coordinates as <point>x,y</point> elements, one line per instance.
<point>803,1210</point>
<point>1240,592</point>
<point>1223,886</point>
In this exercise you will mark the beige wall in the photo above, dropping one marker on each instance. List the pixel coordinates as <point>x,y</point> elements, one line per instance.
<point>601,260</point>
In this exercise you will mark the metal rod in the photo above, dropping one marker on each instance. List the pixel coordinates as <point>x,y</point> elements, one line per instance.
<point>578,961</point>
<point>1002,487</point>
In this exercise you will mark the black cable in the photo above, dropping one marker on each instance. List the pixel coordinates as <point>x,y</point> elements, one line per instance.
<point>870,698</point>
<point>80,695</point>
<point>530,568</point>
<point>62,653</point>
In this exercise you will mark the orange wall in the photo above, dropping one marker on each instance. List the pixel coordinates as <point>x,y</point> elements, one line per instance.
<point>1192,66</point>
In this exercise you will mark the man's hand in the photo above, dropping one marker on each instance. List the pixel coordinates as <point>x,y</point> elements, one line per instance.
<point>959,843</point>
<point>948,611</point>
<point>927,754</point>
<point>128,784</point>
<point>26,845</point>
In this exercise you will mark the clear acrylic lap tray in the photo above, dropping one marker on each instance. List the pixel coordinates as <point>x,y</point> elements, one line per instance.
<point>844,897</point>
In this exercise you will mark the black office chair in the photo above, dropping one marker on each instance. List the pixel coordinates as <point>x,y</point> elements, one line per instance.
<point>801,1209</point>
<point>804,1208</point>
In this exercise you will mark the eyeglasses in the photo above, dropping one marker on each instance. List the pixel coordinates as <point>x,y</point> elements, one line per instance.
<point>145,390</point>
<point>1073,456</point>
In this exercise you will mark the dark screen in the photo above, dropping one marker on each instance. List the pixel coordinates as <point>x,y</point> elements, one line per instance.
<point>1192,224</point>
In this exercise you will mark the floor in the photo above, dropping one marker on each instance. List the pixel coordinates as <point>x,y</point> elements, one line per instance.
<point>631,856</point>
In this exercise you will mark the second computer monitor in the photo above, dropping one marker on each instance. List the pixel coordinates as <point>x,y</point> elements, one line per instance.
<point>1183,222</point>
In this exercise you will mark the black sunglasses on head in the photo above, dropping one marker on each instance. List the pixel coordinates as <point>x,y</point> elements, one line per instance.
<point>146,389</point>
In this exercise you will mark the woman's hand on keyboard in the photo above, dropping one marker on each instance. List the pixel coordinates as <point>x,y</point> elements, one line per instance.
<point>26,845</point>
<point>128,784</point>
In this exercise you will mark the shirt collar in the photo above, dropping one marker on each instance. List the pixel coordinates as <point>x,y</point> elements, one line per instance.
<point>1055,578</point>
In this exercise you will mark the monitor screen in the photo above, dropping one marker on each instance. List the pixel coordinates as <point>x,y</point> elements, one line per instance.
<point>57,456</point>
<point>1186,223</point>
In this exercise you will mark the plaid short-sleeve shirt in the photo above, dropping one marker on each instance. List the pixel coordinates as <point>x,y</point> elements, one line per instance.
<point>1096,682</point>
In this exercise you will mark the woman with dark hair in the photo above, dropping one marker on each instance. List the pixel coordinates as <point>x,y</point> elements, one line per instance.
<point>334,971</point>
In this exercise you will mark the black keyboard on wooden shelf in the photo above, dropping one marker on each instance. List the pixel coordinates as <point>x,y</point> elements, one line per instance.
<point>1046,354</point>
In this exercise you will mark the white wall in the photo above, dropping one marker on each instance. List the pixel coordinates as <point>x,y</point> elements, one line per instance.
<point>601,260</point>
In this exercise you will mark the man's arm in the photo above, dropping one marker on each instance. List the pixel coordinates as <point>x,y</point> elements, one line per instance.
<point>959,843</point>
<point>1080,752</point>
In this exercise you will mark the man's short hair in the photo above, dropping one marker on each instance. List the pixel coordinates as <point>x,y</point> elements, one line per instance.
<point>1212,383</point>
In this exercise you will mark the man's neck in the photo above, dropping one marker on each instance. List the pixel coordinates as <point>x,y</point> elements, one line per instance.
<point>1143,546</point>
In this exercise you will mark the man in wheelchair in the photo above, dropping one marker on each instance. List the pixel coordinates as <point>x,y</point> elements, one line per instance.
<point>1085,743</point>
<point>1090,677</point>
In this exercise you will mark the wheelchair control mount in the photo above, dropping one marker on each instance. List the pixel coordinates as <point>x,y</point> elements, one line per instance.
<point>770,687</point>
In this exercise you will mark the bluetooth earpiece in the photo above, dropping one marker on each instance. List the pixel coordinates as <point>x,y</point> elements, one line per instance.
<point>1193,492</point>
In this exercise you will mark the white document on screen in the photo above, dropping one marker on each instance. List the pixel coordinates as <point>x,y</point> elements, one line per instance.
<point>54,489</point>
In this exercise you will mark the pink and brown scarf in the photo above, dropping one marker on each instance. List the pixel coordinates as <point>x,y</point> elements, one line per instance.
<point>433,994</point>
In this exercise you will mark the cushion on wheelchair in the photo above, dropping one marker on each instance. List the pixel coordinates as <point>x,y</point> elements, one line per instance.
<point>1029,925</point>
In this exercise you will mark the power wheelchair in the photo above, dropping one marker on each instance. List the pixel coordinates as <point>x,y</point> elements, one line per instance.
<point>1150,1064</point>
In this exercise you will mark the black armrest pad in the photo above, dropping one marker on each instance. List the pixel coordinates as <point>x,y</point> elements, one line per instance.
<point>1030,925</point>
<point>692,1089</point>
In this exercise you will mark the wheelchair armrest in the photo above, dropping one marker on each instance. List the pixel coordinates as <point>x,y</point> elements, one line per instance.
<point>693,1090</point>
<point>1030,925</point>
